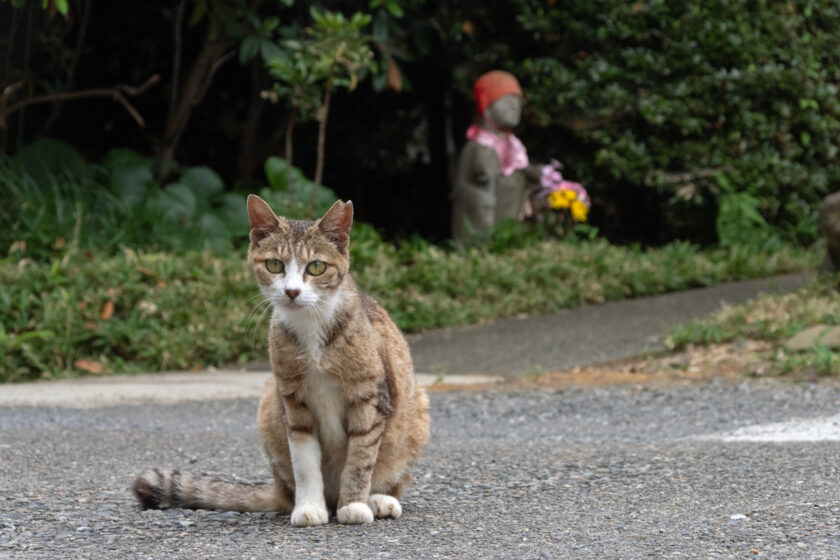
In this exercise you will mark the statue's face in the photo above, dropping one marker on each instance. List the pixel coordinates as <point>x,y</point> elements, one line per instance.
<point>505,112</point>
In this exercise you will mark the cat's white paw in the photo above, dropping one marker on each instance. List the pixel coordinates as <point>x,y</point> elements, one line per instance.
<point>307,515</point>
<point>383,505</point>
<point>355,512</point>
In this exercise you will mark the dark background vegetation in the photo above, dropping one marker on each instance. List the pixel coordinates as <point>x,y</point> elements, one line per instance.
<point>698,121</point>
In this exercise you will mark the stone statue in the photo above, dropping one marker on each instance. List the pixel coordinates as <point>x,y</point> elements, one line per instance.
<point>830,230</point>
<point>490,180</point>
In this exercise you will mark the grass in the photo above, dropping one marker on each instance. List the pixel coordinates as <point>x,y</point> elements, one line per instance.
<point>774,318</point>
<point>146,311</point>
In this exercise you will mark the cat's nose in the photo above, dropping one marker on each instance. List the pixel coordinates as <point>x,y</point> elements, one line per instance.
<point>292,293</point>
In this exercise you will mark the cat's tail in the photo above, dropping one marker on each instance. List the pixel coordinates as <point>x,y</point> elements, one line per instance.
<point>159,489</point>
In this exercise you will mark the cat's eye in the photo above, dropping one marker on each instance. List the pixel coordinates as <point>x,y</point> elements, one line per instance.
<point>275,266</point>
<point>316,268</point>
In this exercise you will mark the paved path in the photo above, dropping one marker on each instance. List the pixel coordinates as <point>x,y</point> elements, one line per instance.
<point>590,334</point>
<point>624,472</point>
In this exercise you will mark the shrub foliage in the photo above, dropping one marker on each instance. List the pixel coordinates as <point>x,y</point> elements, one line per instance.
<point>152,311</point>
<point>727,103</point>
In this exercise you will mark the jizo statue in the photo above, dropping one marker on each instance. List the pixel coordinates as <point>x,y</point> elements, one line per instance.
<point>490,180</point>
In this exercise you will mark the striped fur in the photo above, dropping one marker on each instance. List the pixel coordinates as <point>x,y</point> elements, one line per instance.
<point>342,420</point>
<point>159,489</point>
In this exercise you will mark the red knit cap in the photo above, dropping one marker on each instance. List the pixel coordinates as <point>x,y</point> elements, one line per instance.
<point>493,85</point>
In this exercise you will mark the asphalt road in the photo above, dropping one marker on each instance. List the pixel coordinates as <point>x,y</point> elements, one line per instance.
<point>618,472</point>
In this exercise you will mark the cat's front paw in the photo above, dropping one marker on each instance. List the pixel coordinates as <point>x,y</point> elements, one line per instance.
<point>383,505</point>
<point>355,512</point>
<point>307,515</point>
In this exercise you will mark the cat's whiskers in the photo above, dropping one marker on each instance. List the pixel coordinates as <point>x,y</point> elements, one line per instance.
<point>322,315</point>
<point>258,307</point>
<point>255,296</point>
<point>262,308</point>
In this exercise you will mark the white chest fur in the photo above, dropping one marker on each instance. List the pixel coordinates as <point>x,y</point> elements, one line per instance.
<point>322,393</point>
<point>324,396</point>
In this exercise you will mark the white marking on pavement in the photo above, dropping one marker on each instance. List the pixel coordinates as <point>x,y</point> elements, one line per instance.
<point>812,429</point>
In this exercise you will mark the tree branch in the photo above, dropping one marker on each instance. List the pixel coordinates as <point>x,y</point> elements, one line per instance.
<point>80,42</point>
<point>13,25</point>
<point>74,62</point>
<point>290,129</point>
<point>322,134</point>
<point>176,57</point>
<point>208,80</point>
<point>679,177</point>
<point>199,79</point>
<point>116,92</point>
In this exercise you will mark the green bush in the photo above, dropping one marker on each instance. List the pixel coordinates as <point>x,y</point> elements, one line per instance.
<point>135,310</point>
<point>670,97</point>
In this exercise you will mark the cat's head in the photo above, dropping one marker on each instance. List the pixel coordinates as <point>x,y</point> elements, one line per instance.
<point>299,264</point>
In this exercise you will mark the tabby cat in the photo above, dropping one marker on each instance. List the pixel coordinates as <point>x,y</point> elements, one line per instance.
<point>342,420</point>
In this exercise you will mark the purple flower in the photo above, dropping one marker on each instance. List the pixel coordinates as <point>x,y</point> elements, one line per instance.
<point>550,177</point>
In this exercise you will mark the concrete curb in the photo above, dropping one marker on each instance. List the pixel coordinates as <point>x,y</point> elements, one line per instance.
<point>171,387</point>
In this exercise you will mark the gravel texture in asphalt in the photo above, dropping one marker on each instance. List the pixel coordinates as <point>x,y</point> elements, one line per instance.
<point>612,472</point>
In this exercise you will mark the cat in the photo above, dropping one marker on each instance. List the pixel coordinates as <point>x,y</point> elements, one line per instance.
<point>342,419</point>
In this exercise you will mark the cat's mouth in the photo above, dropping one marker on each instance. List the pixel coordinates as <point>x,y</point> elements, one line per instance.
<point>293,304</point>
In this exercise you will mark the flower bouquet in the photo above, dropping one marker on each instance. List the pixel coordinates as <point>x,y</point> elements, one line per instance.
<point>566,202</point>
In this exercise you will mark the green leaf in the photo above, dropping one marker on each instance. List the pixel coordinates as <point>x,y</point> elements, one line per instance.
<point>270,51</point>
<point>380,81</point>
<point>29,336</point>
<point>46,158</point>
<point>380,27</point>
<point>739,220</point>
<point>275,172</point>
<point>130,175</point>
<point>178,203</point>
<point>295,194</point>
<point>318,17</point>
<point>203,182</point>
<point>234,212</point>
<point>270,24</point>
<point>198,12</point>
<point>61,6</point>
<point>215,232</point>
<point>395,9</point>
<point>249,48</point>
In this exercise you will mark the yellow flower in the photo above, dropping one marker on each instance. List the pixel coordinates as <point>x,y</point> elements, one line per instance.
<point>558,201</point>
<point>570,194</point>
<point>579,211</point>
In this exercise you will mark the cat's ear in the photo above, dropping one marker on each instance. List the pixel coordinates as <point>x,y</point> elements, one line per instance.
<point>263,219</point>
<point>335,224</point>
